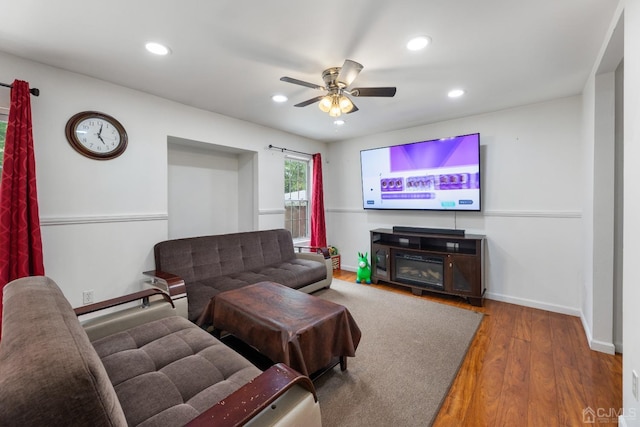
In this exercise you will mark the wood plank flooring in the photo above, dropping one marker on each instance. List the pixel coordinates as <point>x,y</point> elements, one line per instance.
<point>526,367</point>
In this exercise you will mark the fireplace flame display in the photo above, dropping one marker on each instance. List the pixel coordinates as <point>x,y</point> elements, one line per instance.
<point>419,269</point>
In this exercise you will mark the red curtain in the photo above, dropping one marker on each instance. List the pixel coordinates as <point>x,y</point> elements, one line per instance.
<point>20,239</point>
<point>318,229</point>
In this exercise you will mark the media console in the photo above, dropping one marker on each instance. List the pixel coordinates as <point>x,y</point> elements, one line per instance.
<point>427,261</point>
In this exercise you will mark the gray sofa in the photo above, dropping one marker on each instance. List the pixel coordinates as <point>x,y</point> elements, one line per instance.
<point>167,372</point>
<point>199,268</point>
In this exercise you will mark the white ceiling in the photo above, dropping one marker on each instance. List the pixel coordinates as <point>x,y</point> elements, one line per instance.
<point>228,55</point>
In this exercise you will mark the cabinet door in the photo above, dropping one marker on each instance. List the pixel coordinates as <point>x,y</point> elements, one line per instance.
<point>380,268</point>
<point>463,274</point>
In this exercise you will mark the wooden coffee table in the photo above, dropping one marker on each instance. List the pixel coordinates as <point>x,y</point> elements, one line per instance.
<point>301,330</point>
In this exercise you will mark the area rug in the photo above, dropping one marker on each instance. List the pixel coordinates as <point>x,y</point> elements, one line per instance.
<point>409,354</point>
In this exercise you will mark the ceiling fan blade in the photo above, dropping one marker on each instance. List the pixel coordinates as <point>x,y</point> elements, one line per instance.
<point>349,71</point>
<point>373,91</point>
<point>354,109</point>
<point>301,83</point>
<point>309,101</point>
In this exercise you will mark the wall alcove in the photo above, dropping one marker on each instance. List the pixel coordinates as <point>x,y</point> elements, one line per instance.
<point>211,189</point>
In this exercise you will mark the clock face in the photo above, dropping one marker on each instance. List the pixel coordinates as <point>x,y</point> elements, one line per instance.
<point>96,135</point>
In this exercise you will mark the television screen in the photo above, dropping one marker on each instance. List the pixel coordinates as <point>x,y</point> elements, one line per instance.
<point>441,174</point>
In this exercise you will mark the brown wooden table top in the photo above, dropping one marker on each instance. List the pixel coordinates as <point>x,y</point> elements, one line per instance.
<point>301,330</point>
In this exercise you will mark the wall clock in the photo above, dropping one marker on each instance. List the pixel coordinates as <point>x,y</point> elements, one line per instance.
<point>96,135</point>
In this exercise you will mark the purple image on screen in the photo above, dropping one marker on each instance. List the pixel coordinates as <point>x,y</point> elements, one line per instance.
<point>391,184</point>
<point>458,151</point>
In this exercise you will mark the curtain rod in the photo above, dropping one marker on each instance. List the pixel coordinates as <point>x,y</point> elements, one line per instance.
<point>35,91</point>
<point>286,149</point>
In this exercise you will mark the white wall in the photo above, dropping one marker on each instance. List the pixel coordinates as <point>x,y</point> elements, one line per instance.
<point>211,191</point>
<point>631,273</point>
<point>531,215</point>
<point>619,210</point>
<point>100,219</point>
<point>200,184</point>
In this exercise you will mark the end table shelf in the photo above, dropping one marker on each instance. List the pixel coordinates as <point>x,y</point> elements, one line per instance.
<point>451,265</point>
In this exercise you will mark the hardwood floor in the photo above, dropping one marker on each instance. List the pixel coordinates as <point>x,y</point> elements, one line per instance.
<point>527,367</point>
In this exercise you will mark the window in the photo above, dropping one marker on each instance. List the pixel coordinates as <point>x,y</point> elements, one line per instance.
<point>3,132</point>
<point>296,193</point>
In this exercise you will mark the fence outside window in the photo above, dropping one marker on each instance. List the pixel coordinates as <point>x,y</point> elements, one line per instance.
<point>295,217</point>
<point>296,203</point>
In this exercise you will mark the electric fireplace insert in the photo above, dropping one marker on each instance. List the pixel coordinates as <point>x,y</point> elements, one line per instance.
<point>414,268</point>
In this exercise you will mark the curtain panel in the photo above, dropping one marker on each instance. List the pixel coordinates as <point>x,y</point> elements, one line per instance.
<point>20,238</point>
<point>318,228</point>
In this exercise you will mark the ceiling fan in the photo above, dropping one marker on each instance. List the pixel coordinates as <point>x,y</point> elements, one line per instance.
<point>337,81</point>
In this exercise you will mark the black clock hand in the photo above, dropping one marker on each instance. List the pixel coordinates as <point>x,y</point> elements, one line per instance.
<point>100,137</point>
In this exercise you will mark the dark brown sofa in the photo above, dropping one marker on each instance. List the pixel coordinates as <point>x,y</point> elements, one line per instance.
<point>202,267</point>
<point>166,372</point>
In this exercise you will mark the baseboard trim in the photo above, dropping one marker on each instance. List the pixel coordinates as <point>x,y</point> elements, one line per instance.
<point>602,347</point>
<point>534,304</point>
<point>596,345</point>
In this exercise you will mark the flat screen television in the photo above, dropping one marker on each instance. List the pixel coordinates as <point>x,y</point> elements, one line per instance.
<point>440,174</point>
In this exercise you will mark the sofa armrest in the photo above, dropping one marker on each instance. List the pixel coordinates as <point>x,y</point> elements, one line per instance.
<point>310,256</point>
<point>326,283</point>
<point>315,249</point>
<point>156,304</point>
<point>170,283</point>
<point>257,395</point>
<point>113,302</point>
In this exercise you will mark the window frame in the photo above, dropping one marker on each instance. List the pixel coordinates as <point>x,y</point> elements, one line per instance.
<point>4,118</point>
<point>306,201</point>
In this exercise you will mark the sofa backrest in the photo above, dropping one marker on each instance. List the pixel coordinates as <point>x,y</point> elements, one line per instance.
<point>50,374</point>
<point>197,258</point>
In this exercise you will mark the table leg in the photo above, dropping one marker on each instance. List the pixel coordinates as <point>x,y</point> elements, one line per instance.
<point>343,363</point>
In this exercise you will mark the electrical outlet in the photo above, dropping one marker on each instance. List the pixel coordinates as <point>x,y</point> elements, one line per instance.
<point>634,383</point>
<point>87,297</point>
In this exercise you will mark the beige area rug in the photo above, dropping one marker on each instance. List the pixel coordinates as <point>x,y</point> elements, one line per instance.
<point>409,354</point>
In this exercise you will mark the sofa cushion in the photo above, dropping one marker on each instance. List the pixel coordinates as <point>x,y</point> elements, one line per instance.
<point>51,374</point>
<point>209,265</point>
<point>168,371</point>
<point>197,258</point>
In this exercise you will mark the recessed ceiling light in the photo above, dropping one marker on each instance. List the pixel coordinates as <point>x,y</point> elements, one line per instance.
<point>157,48</point>
<point>418,43</point>
<point>338,122</point>
<point>279,98</point>
<point>455,93</point>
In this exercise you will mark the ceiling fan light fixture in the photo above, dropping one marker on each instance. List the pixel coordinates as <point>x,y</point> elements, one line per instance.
<point>345,104</point>
<point>335,110</point>
<point>325,104</point>
<point>337,81</point>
